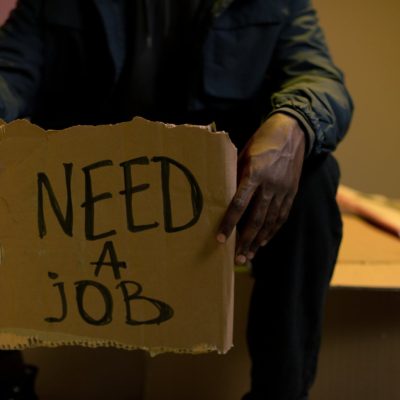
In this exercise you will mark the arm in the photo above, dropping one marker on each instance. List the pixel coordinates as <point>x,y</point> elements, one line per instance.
<point>311,87</point>
<point>311,113</point>
<point>20,60</point>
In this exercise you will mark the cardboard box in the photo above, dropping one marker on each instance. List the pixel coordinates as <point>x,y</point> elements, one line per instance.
<point>108,237</point>
<point>368,258</point>
<point>361,339</point>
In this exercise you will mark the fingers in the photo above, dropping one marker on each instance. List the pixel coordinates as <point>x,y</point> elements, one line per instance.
<point>268,226</point>
<point>236,209</point>
<point>272,226</point>
<point>266,216</point>
<point>254,222</point>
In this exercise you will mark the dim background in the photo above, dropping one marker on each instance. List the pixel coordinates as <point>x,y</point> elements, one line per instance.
<point>363,36</point>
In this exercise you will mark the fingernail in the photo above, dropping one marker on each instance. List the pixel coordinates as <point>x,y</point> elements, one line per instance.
<point>250,255</point>
<point>221,238</point>
<point>264,243</point>
<point>240,259</point>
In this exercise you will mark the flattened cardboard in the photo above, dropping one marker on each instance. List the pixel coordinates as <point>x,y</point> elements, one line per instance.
<point>131,260</point>
<point>368,258</point>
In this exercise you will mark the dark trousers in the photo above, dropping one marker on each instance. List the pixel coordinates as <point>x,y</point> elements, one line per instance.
<point>292,275</point>
<point>17,380</point>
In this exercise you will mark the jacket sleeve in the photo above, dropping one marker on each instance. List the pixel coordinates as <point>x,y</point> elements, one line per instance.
<point>310,87</point>
<point>21,60</point>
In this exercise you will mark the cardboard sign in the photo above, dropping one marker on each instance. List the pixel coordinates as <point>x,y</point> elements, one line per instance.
<point>107,237</point>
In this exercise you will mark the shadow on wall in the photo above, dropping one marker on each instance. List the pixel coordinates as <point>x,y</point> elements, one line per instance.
<point>5,7</point>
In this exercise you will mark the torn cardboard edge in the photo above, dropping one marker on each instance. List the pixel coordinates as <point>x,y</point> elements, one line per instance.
<point>17,340</point>
<point>210,128</point>
<point>21,338</point>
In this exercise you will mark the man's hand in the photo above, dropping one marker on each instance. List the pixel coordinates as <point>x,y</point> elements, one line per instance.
<point>269,170</point>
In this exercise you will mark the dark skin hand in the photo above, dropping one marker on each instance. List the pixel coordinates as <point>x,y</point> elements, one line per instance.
<point>269,169</point>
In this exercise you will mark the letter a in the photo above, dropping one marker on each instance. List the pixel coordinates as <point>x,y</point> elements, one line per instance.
<point>114,263</point>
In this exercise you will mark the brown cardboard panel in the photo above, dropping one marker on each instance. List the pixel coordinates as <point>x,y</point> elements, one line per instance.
<point>368,257</point>
<point>360,352</point>
<point>206,376</point>
<point>107,237</point>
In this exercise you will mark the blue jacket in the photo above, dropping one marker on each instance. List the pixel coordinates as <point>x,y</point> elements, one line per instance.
<point>253,58</point>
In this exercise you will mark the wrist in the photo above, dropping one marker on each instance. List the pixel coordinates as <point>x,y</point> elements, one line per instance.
<point>305,127</point>
<point>280,134</point>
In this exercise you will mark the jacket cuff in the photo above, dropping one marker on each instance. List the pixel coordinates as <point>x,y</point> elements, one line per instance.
<point>307,129</point>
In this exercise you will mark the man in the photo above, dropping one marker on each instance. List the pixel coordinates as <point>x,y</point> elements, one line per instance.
<point>261,70</point>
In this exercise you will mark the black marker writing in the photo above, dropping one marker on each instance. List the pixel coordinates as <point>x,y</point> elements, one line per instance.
<point>81,288</point>
<point>131,292</point>
<point>129,191</point>
<point>197,197</point>
<point>64,221</point>
<point>114,263</point>
<point>165,312</point>
<point>90,200</point>
<point>63,298</point>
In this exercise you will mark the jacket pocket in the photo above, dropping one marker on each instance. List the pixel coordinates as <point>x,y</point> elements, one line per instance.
<point>239,46</point>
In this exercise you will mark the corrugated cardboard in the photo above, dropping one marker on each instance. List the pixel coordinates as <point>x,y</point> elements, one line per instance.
<point>107,237</point>
<point>368,258</point>
<point>360,347</point>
